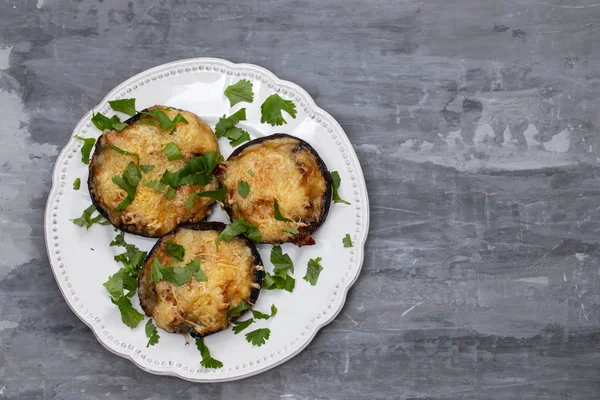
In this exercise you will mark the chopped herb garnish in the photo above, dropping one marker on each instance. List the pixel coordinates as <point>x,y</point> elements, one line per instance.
<point>243,188</point>
<point>124,152</point>
<point>240,91</point>
<point>163,120</point>
<point>291,231</point>
<point>102,122</point>
<point>218,194</point>
<point>272,282</point>
<point>250,173</point>
<point>76,183</point>
<point>240,226</point>
<point>178,276</point>
<point>146,168</point>
<point>167,190</point>
<point>126,106</point>
<point>236,136</point>
<point>145,122</point>
<point>86,219</point>
<point>347,241</point>
<point>243,306</point>
<point>281,261</point>
<point>277,213</point>
<point>239,326</point>
<point>207,360</point>
<point>272,107</point>
<point>260,315</point>
<point>313,270</point>
<point>172,152</point>
<point>175,250</point>
<point>129,315</point>
<point>128,182</point>
<point>335,183</point>
<point>226,123</point>
<point>180,119</point>
<point>88,144</point>
<point>198,171</point>
<point>258,337</point>
<point>151,333</point>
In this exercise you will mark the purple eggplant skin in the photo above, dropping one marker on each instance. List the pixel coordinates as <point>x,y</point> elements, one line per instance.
<point>147,290</point>
<point>303,238</point>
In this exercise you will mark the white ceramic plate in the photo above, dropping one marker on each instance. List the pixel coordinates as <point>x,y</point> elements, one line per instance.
<point>197,85</point>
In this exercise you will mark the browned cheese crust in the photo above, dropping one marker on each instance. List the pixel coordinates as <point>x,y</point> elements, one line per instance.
<point>151,213</point>
<point>284,168</point>
<point>200,308</point>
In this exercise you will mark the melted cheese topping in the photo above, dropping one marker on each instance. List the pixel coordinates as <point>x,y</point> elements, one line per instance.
<point>283,170</point>
<point>151,212</point>
<point>203,305</point>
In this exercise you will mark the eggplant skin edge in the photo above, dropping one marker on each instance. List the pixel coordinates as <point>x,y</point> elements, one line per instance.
<point>201,226</point>
<point>304,237</point>
<point>95,200</point>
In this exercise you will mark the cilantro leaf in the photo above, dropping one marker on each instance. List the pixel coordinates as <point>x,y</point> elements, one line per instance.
<point>243,306</point>
<point>236,136</point>
<point>163,120</point>
<point>277,213</point>
<point>273,310</point>
<point>128,182</point>
<point>272,107</point>
<point>129,315</point>
<point>335,184</point>
<point>207,360</point>
<point>167,190</point>
<point>251,173</point>
<point>282,262</point>
<point>126,106</point>
<point>243,188</point>
<point>86,219</point>
<point>259,315</point>
<point>76,184</point>
<point>291,231</point>
<point>119,240</point>
<point>146,168</point>
<point>151,333</point>
<point>156,270</point>
<point>198,171</point>
<point>200,275</point>
<point>240,226</point>
<point>239,326</point>
<point>175,250</point>
<point>272,282</point>
<point>88,144</point>
<point>114,284</point>
<point>258,337</point>
<point>145,122</point>
<point>218,194</point>
<point>124,152</point>
<point>226,123</point>
<point>240,91</point>
<point>172,152</point>
<point>347,241</point>
<point>180,119</point>
<point>102,122</point>
<point>313,270</point>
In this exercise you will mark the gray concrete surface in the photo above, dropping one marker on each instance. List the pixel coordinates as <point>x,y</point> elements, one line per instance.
<point>476,123</point>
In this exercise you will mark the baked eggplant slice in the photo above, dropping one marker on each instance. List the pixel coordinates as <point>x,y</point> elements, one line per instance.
<point>279,184</point>
<point>233,274</point>
<point>156,208</point>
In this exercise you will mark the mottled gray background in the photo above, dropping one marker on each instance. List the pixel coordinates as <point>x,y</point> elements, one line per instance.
<point>476,123</point>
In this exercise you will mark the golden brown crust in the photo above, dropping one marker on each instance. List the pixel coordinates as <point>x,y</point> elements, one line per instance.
<point>200,308</point>
<point>287,169</point>
<point>151,213</point>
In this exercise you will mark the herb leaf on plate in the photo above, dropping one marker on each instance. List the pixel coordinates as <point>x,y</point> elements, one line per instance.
<point>335,184</point>
<point>88,145</point>
<point>239,91</point>
<point>151,333</point>
<point>226,123</point>
<point>313,271</point>
<point>273,106</point>
<point>207,360</point>
<point>347,241</point>
<point>239,326</point>
<point>102,122</point>
<point>76,184</point>
<point>129,315</point>
<point>258,337</point>
<point>126,106</point>
<point>240,226</point>
<point>86,219</point>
